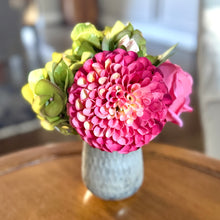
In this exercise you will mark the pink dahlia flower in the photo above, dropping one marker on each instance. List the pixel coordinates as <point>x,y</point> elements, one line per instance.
<point>179,84</point>
<point>118,102</point>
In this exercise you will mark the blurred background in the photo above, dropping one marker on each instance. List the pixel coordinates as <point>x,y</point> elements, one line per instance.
<point>30,30</point>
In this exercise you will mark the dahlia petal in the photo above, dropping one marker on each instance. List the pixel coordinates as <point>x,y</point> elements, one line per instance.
<point>100,141</point>
<point>132,67</point>
<point>112,111</point>
<point>147,101</point>
<point>83,94</point>
<point>89,103</point>
<point>146,81</point>
<point>128,59</point>
<point>147,138</point>
<point>124,131</point>
<point>87,66</point>
<point>81,117</point>
<point>93,94</point>
<point>113,146</point>
<point>95,120</point>
<point>103,123</point>
<point>130,132</point>
<point>78,105</point>
<point>76,123</point>
<point>86,111</point>
<point>89,134</point>
<point>116,135</point>
<point>79,74</point>
<point>135,86</point>
<point>123,117</point>
<point>115,76</point>
<point>138,141</point>
<point>82,82</point>
<point>112,123</point>
<point>97,67</point>
<point>98,132</point>
<point>96,145</point>
<point>140,113</point>
<point>122,141</point>
<point>109,132</point>
<point>155,106</point>
<point>98,113</point>
<point>130,122</point>
<point>87,125</point>
<point>157,129</point>
<point>118,58</point>
<point>119,124</point>
<point>125,80</point>
<point>147,74</point>
<point>102,80</point>
<point>92,86</point>
<point>117,67</point>
<point>71,111</point>
<point>99,102</point>
<point>103,110</point>
<point>124,70</point>
<point>144,61</point>
<point>71,98</point>
<point>91,77</point>
<point>108,63</point>
<point>125,149</point>
<point>100,57</point>
<point>133,54</point>
<point>142,131</point>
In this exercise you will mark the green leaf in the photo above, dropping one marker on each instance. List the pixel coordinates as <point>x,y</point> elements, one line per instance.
<point>57,57</point>
<point>61,73</point>
<point>84,47</point>
<point>75,46</point>
<point>49,67</point>
<point>106,43</point>
<point>163,57</point>
<point>153,59</point>
<point>86,56</point>
<point>126,31</point>
<point>37,104</point>
<point>87,32</point>
<point>117,28</point>
<point>107,30</point>
<point>76,66</point>
<point>55,105</point>
<point>110,34</point>
<point>157,60</point>
<point>36,75</point>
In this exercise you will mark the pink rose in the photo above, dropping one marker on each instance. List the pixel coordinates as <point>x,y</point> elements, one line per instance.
<point>179,84</point>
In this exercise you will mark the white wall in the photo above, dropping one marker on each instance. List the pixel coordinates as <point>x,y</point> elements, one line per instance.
<point>164,21</point>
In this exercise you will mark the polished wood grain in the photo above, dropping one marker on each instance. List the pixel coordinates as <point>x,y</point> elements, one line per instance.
<point>45,183</point>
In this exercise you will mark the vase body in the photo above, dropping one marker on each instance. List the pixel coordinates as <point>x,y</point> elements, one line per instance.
<point>112,176</point>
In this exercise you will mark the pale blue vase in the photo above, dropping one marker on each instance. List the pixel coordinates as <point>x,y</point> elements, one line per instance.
<point>112,176</point>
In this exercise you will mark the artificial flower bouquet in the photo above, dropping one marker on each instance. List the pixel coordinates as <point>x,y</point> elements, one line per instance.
<point>108,89</point>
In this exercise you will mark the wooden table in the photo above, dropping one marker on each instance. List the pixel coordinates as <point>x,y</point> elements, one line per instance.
<point>45,183</point>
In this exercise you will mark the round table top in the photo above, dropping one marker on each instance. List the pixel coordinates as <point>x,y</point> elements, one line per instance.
<point>45,183</point>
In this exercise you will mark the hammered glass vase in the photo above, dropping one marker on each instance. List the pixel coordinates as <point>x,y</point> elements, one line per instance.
<point>112,176</point>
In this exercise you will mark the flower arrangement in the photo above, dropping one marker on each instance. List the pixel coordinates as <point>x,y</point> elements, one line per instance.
<point>108,89</point>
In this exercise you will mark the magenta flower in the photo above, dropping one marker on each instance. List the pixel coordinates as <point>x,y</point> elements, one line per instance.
<point>179,84</point>
<point>118,101</point>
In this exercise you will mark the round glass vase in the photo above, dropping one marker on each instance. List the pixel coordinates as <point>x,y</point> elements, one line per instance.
<point>112,176</point>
